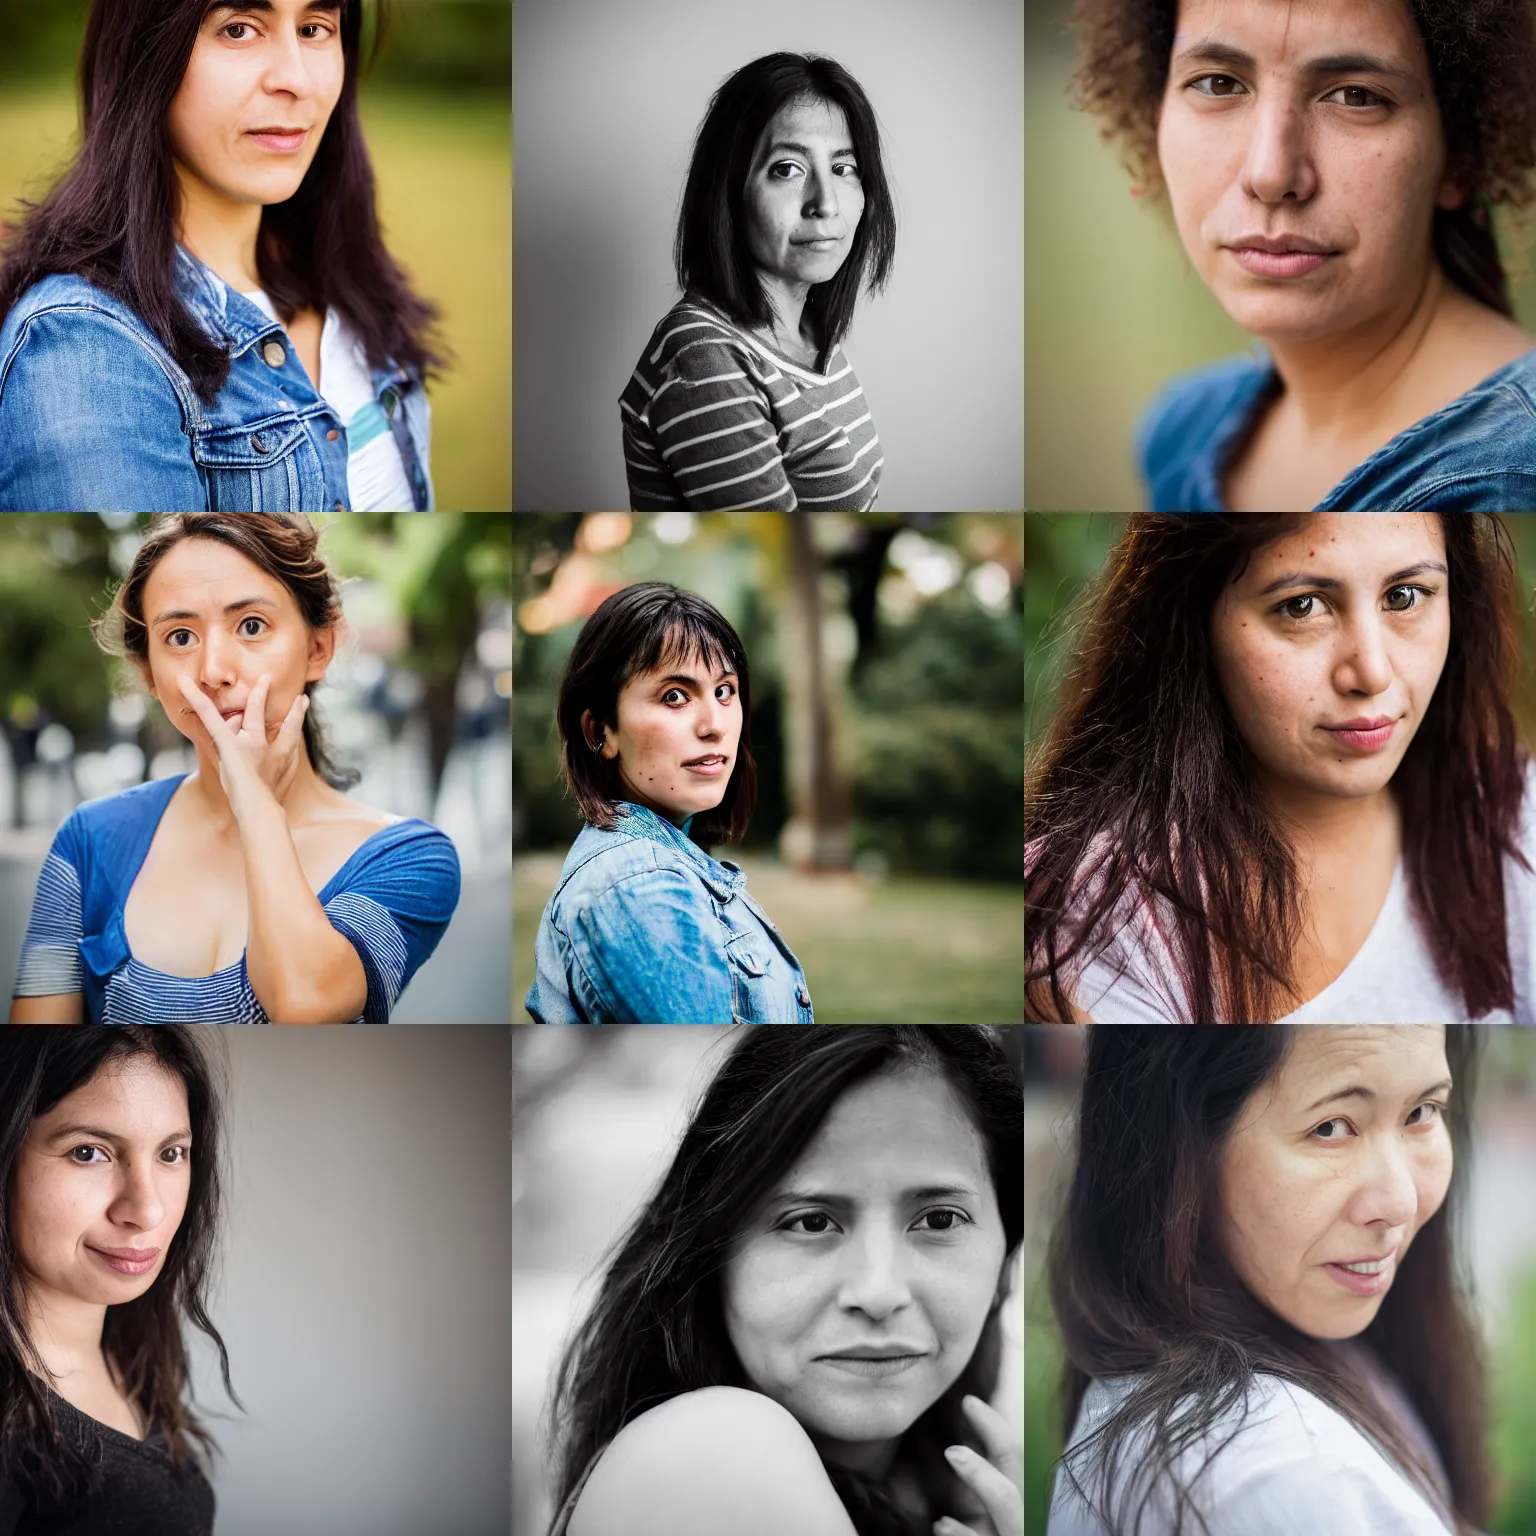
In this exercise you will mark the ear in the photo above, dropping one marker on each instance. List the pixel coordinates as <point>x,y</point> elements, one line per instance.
<point>1451,194</point>
<point>322,647</point>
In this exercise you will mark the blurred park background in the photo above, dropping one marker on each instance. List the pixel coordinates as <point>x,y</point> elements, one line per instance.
<point>596,1117</point>
<point>1113,310</point>
<point>416,698</point>
<point>887,843</point>
<point>437,114</point>
<point>1500,1254</point>
<point>1066,551</point>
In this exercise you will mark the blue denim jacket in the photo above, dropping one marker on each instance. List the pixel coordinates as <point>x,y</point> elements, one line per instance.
<point>96,416</point>
<point>646,928</point>
<point>1477,454</point>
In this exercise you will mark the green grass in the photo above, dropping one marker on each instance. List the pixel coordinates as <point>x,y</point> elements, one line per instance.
<point>898,951</point>
<point>444,169</point>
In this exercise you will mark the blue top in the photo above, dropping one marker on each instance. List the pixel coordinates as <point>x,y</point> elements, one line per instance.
<point>392,899</point>
<point>1477,454</point>
<point>96,416</point>
<point>646,928</point>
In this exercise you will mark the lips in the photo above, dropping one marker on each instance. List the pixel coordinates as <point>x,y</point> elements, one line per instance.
<point>127,1261</point>
<point>1374,723</point>
<point>709,757</point>
<point>877,1352</point>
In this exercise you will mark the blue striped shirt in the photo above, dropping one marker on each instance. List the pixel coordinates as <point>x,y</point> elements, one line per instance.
<point>392,900</point>
<point>715,419</point>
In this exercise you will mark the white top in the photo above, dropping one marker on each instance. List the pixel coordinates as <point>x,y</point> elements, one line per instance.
<point>1391,980</point>
<point>1296,1467</point>
<point>376,478</point>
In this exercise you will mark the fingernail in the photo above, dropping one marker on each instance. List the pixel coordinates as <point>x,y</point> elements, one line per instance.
<point>957,1454</point>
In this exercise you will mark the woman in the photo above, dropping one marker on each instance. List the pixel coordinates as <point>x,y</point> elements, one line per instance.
<point>1284,781</point>
<point>1255,1283</point>
<point>800,1331</point>
<point>252,891</point>
<point>1331,170</point>
<point>742,397</point>
<point>202,316</point>
<point>656,746</point>
<point>109,1142</point>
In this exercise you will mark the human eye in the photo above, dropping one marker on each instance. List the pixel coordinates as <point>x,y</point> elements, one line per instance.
<point>846,165</point>
<point>1424,592</point>
<point>1288,609</point>
<point>951,1217</point>
<point>317,31</point>
<point>175,1156</point>
<point>1217,87</point>
<point>171,641</point>
<point>791,1223</point>
<point>253,619</point>
<point>787,166</point>
<point>729,690</point>
<point>1317,1132</point>
<point>244,28</point>
<point>1429,1119</point>
<point>678,691</point>
<point>88,1159</point>
<point>1372,99</point>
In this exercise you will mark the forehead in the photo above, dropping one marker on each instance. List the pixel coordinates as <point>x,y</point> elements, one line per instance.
<point>206,570</point>
<point>810,121</point>
<point>1393,1060</point>
<point>1361,546</point>
<point>1288,33</point>
<point>133,1096</point>
<point>680,654</point>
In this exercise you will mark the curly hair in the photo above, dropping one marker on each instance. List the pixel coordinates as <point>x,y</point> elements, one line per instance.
<point>1482,59</point>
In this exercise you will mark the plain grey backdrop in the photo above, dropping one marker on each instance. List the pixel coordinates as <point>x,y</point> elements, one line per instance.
<point>365,1286</point>
<point>607,96</point>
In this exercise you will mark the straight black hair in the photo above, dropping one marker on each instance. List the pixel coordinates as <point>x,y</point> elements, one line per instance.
<point>639,628</point>
<point>710,251</point>
<point>657,1328</point>
<point>112,218</point>
<point>142,1338</point>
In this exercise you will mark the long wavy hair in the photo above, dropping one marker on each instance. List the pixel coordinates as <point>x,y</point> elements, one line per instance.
<point>657,1328</point>
<point>1141,788</point>
<point>112,217</point>
<point>142,1339</point>
<point>286,545</point>
<point>1139,1283</point>
<point>710,250</point>
<point>1482,60</point>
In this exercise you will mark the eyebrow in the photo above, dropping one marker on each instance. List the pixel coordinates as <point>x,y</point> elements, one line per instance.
<point>801,149</point>
<point>266,6</point>
<point>689,682</point>
<point>1360,1091</point>
<point>1305,579</point>
<point>1211,52</point>
<point>96,1133</point>
<point>924,1192</point>
<point>234,607</point>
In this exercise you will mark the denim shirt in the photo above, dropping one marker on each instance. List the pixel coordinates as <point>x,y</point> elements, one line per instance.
<point>96,416</point>
<point>646,928</point>
<point>1477,454</point>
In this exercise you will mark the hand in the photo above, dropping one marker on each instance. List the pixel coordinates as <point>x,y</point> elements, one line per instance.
<point>997,1479</point>
<point>248,762</point>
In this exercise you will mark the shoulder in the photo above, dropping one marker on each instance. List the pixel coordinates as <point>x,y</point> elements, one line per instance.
<point>111,816</point>
<point>619,866</point>
<point>719,1459</point>
<point>692,339</point>
<point>68,304</point>
<point>1186,416</point>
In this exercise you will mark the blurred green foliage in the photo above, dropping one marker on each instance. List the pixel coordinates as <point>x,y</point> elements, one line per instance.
<point>457,45</point>
<point>1113,309</point>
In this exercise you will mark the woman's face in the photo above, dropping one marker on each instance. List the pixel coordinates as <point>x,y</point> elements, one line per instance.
<point>676,735</point>
<point>884,1240</point>
<point>102,1178</point>
<point>259,89</point>
<point>1343,622</point>
<point>804,198</point>
<point>1311,125</point>
<point>1340,1160</point>
<point>221,621</point>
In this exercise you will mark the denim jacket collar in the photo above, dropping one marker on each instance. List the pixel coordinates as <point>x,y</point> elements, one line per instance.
<point>724,879</point>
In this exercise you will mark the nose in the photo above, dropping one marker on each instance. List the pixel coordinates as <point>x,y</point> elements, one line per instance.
<point>217,669</point>
<point>1387,1191</point>
<point>873,1281</point>
<point>138,1202</point>
<point>820,195</point>
<point>288,65</point>
<point>1278,166</point>
<point>1364,668</point>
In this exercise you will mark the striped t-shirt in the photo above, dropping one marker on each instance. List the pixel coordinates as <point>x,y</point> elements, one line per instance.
<point>715,419</point>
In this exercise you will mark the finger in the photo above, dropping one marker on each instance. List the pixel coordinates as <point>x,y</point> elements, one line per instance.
<point>999,1439</point>
<point>203,708</point>
<point>948,1527</point>
<point>1002,1501</point>
<point>293,722</point>
<point>255,717</point>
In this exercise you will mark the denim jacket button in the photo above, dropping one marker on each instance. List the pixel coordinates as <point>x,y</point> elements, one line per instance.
<point>803,996</point>
<point>339,507</point>
<point>259,443</point>
<point>332,435</point>
<point>274,355</point>
<point>389,400</point>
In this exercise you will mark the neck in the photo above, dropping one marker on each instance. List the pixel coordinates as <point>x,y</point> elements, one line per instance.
<point>219,231</point>
<point>1324,829</point>
<point>787,301</point>
<point>65,1332</point>
<point>869,1458</point>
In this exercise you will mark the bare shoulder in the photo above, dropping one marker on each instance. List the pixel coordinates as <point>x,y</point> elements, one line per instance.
<point>719,1459</point>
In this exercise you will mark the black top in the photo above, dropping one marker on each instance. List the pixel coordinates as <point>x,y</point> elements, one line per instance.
<point>140,1491</point>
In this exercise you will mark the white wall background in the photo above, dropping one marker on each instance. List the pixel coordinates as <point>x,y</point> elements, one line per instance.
<point>366,1284</point>
<point>607,96</point>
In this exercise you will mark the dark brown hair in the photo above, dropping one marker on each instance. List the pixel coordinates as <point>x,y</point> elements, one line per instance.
<point>111,219</point>
<point>141,1338</point>
<point>1141,788</point>
<point>638,629</point>
<point>1140,1284</point>
<point>710,250</point>
<point>286,545</point>
<point>1482,59</point>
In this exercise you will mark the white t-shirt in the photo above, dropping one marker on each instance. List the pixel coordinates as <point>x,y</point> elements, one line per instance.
<point>1391,980</point>
<point>376,477</point>
<point>1296,1467</point>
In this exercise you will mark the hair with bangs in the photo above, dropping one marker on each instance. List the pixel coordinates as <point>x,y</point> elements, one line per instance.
<point>710,251</point>
<point>636,630</point>
<point>112,217</point>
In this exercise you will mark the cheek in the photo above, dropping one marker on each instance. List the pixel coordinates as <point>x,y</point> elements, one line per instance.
<point>1266,684</point>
